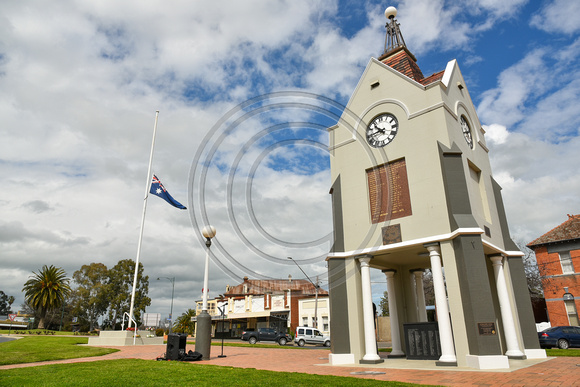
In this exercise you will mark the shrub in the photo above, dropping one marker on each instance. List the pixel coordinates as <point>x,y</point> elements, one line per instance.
<point>159,332</point>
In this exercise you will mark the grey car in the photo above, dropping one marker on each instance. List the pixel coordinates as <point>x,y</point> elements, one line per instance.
<point>307,335</point>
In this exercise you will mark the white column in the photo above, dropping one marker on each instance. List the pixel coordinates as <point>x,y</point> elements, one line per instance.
<point>445,333</point>
<point>420,291</point>
<point>505,308</point>
<point>368,317</point>
<point>393,315</point>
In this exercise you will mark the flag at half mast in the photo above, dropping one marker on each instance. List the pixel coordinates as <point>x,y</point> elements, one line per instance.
<point>158,189</point>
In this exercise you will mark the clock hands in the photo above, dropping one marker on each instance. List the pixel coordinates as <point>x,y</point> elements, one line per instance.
<point>382,130</point>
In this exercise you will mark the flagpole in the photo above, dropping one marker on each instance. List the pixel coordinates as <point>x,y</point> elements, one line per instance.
<point>147,188</point>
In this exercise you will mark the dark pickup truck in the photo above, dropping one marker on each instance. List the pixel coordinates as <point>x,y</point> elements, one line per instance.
<point>266,334</point>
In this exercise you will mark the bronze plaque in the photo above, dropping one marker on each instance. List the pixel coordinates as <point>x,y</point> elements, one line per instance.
<point>486,329</point>
<point>389,191</point>
<point>392,234</point>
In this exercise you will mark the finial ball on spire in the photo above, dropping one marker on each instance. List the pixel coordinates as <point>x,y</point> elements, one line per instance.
<point>390,12</point>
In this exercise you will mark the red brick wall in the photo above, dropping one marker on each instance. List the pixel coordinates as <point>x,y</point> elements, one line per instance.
<point>557,313</point>
<point>575,255</point>
<point>554,283</point>
<point>294,319</point>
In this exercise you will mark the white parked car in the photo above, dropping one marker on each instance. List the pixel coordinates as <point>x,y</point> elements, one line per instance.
<point>307,335</point>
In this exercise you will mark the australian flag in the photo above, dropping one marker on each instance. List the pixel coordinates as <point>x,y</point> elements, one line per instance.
<point>159,190</point>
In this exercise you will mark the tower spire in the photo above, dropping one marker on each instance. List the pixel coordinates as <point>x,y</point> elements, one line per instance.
<point>394,38</point>
<point>396,54</point>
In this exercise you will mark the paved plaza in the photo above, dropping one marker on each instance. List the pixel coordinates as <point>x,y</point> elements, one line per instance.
<point>561,371</point>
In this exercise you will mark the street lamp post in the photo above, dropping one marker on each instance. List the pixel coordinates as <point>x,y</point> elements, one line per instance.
<point>316,287</point>
<point>203,336</point>
<point>172,279</point>
<point>222,311</point>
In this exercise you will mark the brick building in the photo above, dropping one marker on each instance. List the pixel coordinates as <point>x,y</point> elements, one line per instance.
<point>558,256</point>
<point>273,303</point>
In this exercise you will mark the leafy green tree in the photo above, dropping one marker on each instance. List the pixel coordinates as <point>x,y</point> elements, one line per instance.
<point>427,287</point>
<point>384,304</point>
<point>11,300</point>
<point>46,290</point>
<point>183,324</point>
<point>90,299</point>
<point>119,290</point>
<point>61,317</point>
<point>5,303</point>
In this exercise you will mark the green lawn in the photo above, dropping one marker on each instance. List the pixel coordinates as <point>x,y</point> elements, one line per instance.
<point>563,352</point>
<point>44,348</point>
<point>149,372</point>
<point>39,332</point>
<point>162,373</point>
<point>139,372</point>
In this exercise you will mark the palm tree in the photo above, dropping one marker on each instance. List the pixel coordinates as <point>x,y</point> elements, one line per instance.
<point>184,323</point>
<point>46,290</point>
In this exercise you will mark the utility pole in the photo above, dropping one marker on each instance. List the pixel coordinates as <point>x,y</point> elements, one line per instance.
<point>316,287</point>
<point>316,305</point>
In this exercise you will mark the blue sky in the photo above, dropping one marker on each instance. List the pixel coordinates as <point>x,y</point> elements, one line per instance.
<point>80,83</point>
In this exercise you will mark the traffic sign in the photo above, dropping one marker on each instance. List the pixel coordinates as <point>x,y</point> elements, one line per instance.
<point>12,317</point>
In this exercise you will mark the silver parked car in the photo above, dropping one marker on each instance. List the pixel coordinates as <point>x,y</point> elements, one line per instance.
<point>307,335</point>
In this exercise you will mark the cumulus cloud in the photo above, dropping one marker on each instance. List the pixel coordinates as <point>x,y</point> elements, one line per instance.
<point>80,83</point>
<point>558,16</point>
<point>445,25</point>
<point>533,133</point>
<point>507,102</point>
<point>496,133</point>
<point>79,87</point>
<point>537,95</point>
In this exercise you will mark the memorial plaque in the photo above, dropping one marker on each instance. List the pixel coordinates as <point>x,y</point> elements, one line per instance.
<point>487,329</point>
<point>389,191</point>
<point>422,341</point>
<point>392,234</point>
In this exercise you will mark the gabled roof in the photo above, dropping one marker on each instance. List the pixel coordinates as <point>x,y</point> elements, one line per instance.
<point>569,230</point>
<point>432,78</point>
<point>260,287</point>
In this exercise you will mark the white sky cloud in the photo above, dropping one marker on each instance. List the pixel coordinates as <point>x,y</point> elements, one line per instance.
<point>80,82</point>
<point>559,16</point>
<point>444,25</point>
<point>496,133</point>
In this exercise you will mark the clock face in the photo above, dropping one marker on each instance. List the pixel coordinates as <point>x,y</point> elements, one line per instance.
<point>466,132</point>
<point>382,130</point>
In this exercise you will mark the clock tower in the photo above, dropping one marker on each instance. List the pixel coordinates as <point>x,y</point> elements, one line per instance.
<point>412,189</point>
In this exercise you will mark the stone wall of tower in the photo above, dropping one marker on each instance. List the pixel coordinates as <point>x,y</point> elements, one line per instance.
<point>428,116</point>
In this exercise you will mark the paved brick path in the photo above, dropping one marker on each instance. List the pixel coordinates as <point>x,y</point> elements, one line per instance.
<point>562,371</point>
